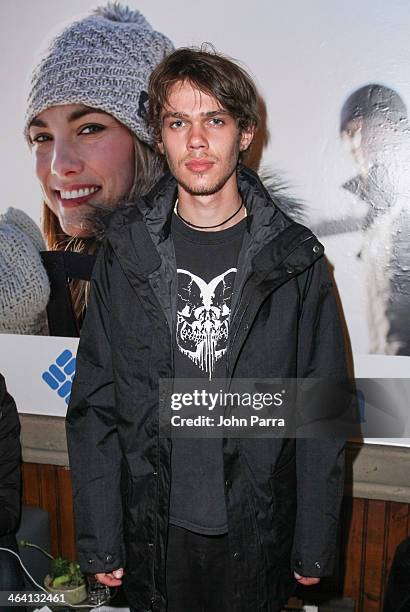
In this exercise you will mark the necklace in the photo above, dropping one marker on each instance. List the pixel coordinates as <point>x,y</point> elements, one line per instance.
<point>207,226</point>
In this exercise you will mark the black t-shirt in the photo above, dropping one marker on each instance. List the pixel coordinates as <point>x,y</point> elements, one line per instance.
<point>206,265</point>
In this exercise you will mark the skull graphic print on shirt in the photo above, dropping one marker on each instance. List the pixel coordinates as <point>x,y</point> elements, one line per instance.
<point>203,317</point>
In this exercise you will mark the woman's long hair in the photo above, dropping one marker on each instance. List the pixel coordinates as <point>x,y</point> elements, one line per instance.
<point>148,168</point>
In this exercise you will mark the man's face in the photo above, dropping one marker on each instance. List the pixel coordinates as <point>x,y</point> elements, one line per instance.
<point>200,140</point>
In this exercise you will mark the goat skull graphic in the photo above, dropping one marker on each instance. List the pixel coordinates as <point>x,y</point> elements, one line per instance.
<point>203,317</point>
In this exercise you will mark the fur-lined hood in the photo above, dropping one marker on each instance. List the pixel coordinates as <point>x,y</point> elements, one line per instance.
<point>108,217</point>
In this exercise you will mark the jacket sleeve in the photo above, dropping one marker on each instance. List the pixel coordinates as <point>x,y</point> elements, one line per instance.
<point>93,445</point>
<point>10,451</point>
<point>320,460</point>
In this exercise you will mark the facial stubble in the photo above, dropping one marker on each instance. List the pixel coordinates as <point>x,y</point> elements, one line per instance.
<point>208,190</point>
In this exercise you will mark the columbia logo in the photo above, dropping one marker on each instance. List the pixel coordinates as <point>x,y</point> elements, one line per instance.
<point>60,374</point>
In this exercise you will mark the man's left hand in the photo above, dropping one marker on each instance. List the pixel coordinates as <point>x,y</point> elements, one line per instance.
<point>306,580</point>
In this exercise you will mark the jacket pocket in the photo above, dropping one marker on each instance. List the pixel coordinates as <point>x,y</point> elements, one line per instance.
<point>283,490</point>
<point>125,484</point>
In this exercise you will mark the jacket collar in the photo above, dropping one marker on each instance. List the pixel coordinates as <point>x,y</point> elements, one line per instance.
<point>157,206</point>
<point>137,231</point>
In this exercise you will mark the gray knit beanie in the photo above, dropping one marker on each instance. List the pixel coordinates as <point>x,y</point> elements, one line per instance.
<point>24,284</point>
<point>103,61</point>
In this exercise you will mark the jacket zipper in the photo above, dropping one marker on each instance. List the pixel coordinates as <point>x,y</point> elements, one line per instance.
<point>239,325</point>
<point>158,464</point>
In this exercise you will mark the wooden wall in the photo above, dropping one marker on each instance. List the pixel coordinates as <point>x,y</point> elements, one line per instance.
<point>373,529</point>
<point>370,532</point>
<point>49,487</point>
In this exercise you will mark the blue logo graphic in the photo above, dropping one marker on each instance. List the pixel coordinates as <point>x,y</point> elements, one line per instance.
<point>60,374</point>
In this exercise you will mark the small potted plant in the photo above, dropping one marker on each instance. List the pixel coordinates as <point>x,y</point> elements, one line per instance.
<point>66,578</point>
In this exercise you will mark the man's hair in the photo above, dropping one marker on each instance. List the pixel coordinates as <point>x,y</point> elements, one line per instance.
<point>209,72</point>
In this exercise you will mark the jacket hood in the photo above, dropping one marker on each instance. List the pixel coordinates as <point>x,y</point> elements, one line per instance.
<point>151,209</point>
<point>140,236</point>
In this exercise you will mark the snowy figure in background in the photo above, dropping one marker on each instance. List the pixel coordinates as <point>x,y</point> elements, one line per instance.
<point>375,127</point>
<point>203,317</point>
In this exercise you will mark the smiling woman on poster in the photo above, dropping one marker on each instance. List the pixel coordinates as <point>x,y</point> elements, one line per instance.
<point>92,152</point>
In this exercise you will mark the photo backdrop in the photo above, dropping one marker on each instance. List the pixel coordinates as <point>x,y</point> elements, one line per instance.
<point>307,58</point>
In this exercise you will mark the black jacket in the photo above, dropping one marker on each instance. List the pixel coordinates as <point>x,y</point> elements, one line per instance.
<point>10,452</point>
<point>282,495</point>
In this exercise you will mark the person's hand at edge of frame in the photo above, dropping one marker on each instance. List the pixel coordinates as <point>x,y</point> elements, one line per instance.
<point>306,580</point>
<point>111,579</point>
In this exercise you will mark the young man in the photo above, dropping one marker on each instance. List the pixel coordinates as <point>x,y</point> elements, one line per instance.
<point>205,278</point>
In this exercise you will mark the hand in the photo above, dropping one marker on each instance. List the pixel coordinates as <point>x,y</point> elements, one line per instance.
<point>111,579</point>
<point>24,284</point>
<point>306,580</point>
